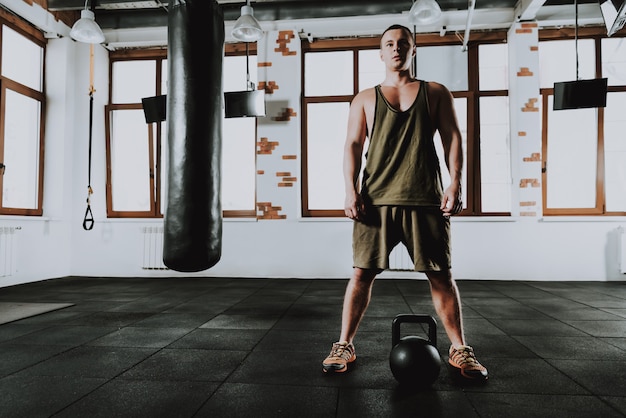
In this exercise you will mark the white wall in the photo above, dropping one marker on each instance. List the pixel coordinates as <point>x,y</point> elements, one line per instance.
<point>517,248</point>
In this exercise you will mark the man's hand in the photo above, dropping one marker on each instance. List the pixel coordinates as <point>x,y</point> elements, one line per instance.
<point>451,204</point>
<point>354,207</point>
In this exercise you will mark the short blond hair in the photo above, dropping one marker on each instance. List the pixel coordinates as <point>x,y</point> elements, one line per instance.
<point>400,27</point>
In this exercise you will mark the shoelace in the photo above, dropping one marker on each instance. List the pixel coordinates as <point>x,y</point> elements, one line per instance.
<point>466,355</point>
<point>342,351</point>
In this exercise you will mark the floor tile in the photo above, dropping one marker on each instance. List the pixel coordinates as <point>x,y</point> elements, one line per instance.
<point>241,347</point>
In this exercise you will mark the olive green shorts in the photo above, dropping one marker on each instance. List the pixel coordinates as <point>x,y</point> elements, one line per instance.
<point>422,229</point>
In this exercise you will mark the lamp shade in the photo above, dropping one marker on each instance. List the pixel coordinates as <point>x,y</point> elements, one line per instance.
<point>247,28</point>
<point>424,12</point>
<point>86,29</point>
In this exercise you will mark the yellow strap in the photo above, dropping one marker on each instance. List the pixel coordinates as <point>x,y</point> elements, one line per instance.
<point>91,89</point>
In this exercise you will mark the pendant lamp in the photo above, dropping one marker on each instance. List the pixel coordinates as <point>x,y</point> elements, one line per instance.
<point>424,12</point>
<point>86,29</point>
<point>247,28</point>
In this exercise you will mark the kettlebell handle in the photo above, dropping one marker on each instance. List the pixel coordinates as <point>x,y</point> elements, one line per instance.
<point>415,319</point>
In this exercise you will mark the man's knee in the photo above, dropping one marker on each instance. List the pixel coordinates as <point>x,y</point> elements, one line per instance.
<point>365,276</point>
<point>440,279</point>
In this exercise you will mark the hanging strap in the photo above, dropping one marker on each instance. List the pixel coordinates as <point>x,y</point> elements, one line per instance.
<point>88,221</point>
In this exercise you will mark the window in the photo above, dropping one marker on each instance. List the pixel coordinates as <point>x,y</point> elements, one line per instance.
<point>614,68</point>
<point>137,152</point>
<point>336,71</point>
<point>328,90</point>
<point>21,123</point>
<point>584,152</point>
<point>495,142</point>
<point>239,145</point>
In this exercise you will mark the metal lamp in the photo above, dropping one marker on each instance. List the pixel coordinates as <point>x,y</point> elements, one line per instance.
<point>247,28</point>
<point>86,29</point>
<point>424,12</point>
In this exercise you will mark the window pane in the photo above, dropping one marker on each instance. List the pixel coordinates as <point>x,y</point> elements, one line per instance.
<point>557,61</point>
<point>371,68</point>
<point>444,64</point>
<point>235,72</point>
<point>326,131</point>
<point>571,158</point>
<point>460,105</point>
<point>615,152</point>
<point>21,151</point>
<point>614,60</point>
<point>130,165</point>
<point>495,161</point>
<point>133,80</point>
<point>328,73</point>
<point>164,78</point>
<point>239,164</point>
<point>493,66</point>
<point>22,59</point>
<point>239,141</point>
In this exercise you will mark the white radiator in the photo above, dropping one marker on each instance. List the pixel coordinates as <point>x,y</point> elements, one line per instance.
<point>8,253</point>
<point>399,259</point>
<point>153,248</point>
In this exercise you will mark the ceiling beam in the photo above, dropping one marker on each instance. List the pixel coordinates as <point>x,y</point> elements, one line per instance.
<point>527,9</point>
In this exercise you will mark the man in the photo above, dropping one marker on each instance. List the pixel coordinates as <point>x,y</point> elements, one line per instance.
<point>401,198</point>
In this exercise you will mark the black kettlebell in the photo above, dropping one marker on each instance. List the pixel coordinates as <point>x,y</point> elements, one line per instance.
<point>414,361</point>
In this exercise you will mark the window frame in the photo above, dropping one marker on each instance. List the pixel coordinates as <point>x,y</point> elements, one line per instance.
<point>153,135</point>
<point>597,34</point>
<point>26,30</point>
<point>472,95</point>
<point>240,49</point>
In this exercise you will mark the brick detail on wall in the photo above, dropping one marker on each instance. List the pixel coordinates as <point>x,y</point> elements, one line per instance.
<point>524,72</point>
<point>284,38</point>
<point>286,115</point>
<point>265,210</point>
<point>268,86</point>
<point>526,27</point>
<point>529,106</point>
<point>260,172</point>
<point>290,157</point>
<point>529,182</point>
<point>264,64</point>
<point>287,180</point>
<point>535,156</point>
<point>528,213</point>
<point>534,48</point>
<point>265,147</point>
<point>521,133</point>
<point>528,203</point>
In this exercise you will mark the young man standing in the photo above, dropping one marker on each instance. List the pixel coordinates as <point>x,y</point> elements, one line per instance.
<point>401,197</point>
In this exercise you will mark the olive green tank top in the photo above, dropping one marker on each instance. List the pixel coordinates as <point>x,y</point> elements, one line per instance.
<point>402,167</point>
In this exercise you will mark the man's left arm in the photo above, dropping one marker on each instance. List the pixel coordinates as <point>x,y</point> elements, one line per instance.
<point>448,127</point>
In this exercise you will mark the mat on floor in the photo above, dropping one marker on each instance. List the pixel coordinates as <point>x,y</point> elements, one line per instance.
<point>12,311</point>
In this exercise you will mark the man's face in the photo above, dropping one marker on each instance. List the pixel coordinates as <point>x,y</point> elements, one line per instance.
<point>396,49</point>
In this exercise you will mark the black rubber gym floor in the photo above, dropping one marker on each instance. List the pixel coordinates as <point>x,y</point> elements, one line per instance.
<point>207,347</point>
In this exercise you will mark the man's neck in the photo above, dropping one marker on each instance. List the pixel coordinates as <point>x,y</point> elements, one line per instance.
<point>398,79</point>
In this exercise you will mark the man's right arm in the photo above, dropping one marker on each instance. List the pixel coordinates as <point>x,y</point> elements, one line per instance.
<point>353,151</point>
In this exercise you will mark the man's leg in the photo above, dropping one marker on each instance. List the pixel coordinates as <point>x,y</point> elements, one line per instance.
<point>447,302</point>
<point>355,302</point>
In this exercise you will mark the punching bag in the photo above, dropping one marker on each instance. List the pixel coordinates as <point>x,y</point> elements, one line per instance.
<point>193,218</point>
